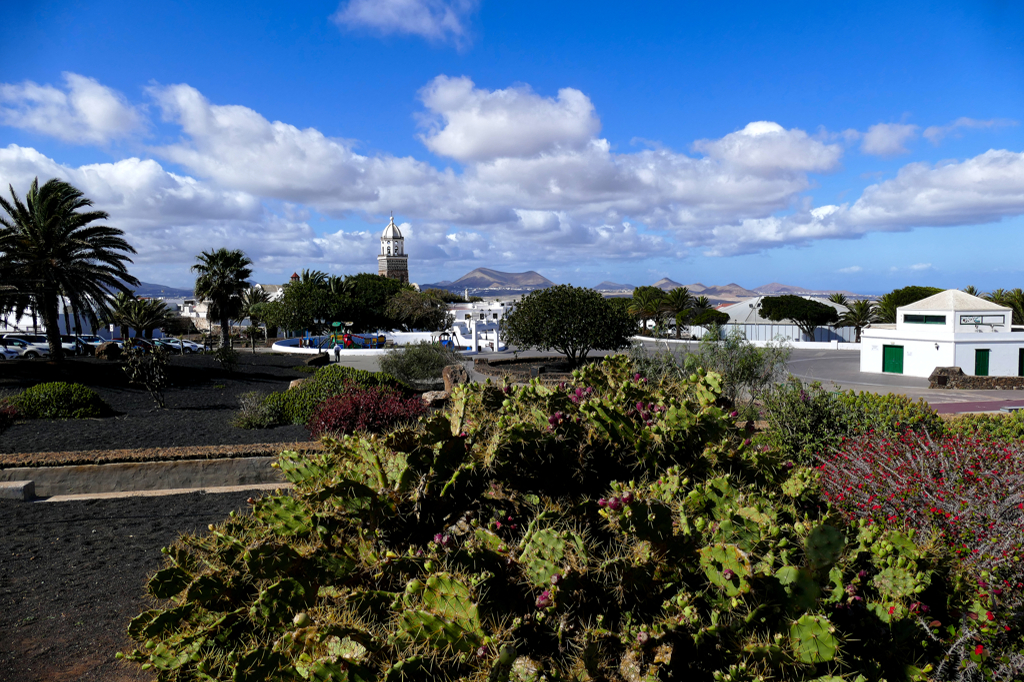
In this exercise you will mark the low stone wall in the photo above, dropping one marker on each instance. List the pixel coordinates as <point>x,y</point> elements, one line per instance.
<point>954,378</point>
<point>552,369</point>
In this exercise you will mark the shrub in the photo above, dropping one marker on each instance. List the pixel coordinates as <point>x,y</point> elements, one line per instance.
<point>148,370</point>
<point>747,371</point>
<point>608,529</point>
<point>372,410</point>
<point>419,363</point>
<point>965,494</point>
<point>257,412</point>
<point>297,405</point>
<point>227,357</point>
<point>60,400</point>
<point>8,415</point>
<point>1000,426</point>
<point>807,421</point>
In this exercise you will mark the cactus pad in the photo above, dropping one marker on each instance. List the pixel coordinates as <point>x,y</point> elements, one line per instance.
<point>813,639</point>
<point>823,546</point>
<point>801,587</point>
<point>438,632</point>
<point>726,566</point>
<point>285,515</point>
<point>543,555</point>
<point>447,597</point>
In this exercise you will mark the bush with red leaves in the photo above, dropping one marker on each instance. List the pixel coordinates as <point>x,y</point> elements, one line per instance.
<point>373,409</point>
<point>8,415</point>
<point>968,492</point>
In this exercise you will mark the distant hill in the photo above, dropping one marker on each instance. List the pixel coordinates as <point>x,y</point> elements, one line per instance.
<point>613,286</point>
<point>484,278</point>
<point>666,284</point>
<point>150,290</point>
<point>776,289</point>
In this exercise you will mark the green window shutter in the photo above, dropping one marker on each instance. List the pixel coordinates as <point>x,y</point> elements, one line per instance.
<point>981,362</point>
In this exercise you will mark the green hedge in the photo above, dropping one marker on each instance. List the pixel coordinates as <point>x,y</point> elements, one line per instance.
<point>297,405</point>
<point>60,400</point>
<point>1002,426</point>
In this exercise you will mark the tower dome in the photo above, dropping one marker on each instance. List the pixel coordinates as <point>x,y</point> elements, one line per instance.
<point>392,261</point>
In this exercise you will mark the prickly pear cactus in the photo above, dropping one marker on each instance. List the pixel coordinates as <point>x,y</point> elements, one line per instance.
<point>604,529</point>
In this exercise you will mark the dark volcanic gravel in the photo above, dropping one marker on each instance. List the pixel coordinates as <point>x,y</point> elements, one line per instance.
<point>73,574</point>
<point>201,403</point>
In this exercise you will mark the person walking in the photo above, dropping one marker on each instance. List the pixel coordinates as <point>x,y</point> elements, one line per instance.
<point>337,352</point>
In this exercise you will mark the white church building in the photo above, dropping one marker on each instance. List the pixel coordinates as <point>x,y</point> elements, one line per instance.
<point>949,329</point>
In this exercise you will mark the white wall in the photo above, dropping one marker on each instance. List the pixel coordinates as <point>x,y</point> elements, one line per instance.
<point>921,357</point>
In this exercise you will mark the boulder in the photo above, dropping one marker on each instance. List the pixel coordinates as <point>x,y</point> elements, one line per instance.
<point>108,351</point>
<point>454,375</point>
<point>435,398</point>
<point>295,383</point>
<point>319,360</point>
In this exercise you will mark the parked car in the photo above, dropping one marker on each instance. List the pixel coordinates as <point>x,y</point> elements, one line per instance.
<point>37,344</point>
<point>144,344</point>
<point>72,345</point>
<point>8,354</point>
<point>178,344</point>
<point>23,348</point>
<point>91,343</point>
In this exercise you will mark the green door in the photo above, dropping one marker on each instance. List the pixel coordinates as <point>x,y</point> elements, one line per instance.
<point>981,362</point>
<point>892,359</point>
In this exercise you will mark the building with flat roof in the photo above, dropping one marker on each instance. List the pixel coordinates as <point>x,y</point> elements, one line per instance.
<point>949,329</point>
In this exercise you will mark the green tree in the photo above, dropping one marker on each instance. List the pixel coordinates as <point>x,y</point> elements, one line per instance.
<point>253,300</point>
<point>679,304</point>
<point>302,304</point>
<point>647,304</point>
<point>709,317</point>
<point>221,281</point>
<point>972,290</point>
<point>145,316</point>
<point>369,296</point>
<point>425,311</point>
<point>50,247</point>
<point>807,314</point>
<point>1013,299</point>
<point>839,299</point>
<point>859,314</point>
<point>897,298</point>
<point>571,320</point>
<point>119,312</point>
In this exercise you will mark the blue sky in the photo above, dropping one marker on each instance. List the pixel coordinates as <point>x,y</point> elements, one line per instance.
<point>863,146</point>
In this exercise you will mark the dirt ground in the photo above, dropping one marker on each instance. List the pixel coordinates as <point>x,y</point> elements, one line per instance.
<point>73,574</point>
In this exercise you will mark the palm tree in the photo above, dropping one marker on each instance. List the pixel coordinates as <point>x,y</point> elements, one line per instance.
<point>221,281</point>
<point>120,311</point>
<point>145,316</point>
<point>317,278</point>
<point>49,247</point>
<point>859,314</point>
<point>679,304</point>
<point>1014,299</point>
<point>646,305</point>
<point>972,290</point>
<point>839,298</point>
<point>252,298</point>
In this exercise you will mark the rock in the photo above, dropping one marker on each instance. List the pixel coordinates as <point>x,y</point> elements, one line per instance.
<point>435,398</point>
<point>295,383</point>
<point>108,351</point>
<point>319,360</point>
<point>454,375</point>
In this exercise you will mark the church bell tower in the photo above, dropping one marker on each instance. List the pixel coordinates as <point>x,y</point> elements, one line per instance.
<point>393,261</point>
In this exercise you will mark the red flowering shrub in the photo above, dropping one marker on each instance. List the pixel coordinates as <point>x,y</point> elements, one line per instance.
<point>372,409</point>
<point>966,495</point>
<point>8,415</point>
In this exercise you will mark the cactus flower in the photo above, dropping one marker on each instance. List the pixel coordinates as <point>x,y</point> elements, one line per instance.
<point>556,579</point>
<point>602,502</point>
<point>728,574</point>
<point>627,497</point>
<point>642,637</point>
<point>615,504</point>
<point>544,600</point>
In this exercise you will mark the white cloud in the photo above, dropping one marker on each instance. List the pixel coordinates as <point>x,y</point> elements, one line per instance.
<point>887,139</point>
<point>85,112</point>
<point>917,267</point>
<point>935,134</point>
<point>765,147</point>
<point>982,189</point>
<point>470,124</point>
<point>435,20</point>
<point>850,270</point>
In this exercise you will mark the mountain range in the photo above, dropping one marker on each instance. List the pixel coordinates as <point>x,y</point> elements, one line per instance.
<point>484,278</point>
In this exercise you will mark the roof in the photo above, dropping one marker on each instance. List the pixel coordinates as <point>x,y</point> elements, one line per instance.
<point>749,311</point>
<point>391,231</point>
<point>954,299</point>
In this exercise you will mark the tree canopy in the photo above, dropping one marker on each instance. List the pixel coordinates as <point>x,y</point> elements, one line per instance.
<point>708,317</point>
<point>571,320</point>
<point>897,298</point>
<point>807,314</point>
<point>221,281</point>
<point>50,249</point>
<point>427,310</point>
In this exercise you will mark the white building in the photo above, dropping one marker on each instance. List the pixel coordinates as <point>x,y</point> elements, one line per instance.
<point>949,329</point>
<point>477,326</point>
<point>746,317</point>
